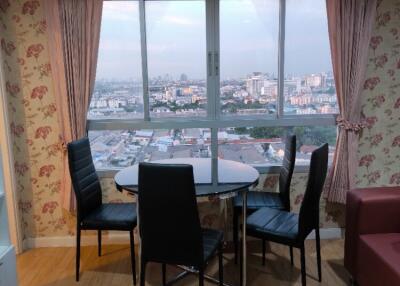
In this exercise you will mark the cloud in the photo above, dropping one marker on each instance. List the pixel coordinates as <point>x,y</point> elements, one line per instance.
<point>121,11</point>
<point>117,46</point>
<point>160,48</point>
<point>182,21</point>
<point>306,9</point>
<point>267,45</point>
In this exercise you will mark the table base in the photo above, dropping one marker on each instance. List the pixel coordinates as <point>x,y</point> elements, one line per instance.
<point>187,271</point>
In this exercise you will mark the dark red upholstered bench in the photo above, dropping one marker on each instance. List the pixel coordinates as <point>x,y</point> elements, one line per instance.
<point>372,245</point>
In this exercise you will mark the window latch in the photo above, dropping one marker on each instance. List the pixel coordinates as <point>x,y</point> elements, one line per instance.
<point>216,63</point>
<point>209,56</point>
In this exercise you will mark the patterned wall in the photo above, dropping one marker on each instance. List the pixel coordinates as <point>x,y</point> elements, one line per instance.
<point>35,130</point>
<point>379,150</point>
<point>32,117</point>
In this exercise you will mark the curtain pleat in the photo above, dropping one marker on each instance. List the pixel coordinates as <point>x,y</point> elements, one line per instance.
<point>74,33</point>
<point>350,25</point>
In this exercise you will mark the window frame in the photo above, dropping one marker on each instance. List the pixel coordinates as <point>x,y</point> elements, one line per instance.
<point>214,119</point>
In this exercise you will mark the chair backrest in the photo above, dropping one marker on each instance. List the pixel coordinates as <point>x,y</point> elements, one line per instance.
<point>309,209</point>
<point>169,221</point>
<point>84,178</point>
<point>285,175</point>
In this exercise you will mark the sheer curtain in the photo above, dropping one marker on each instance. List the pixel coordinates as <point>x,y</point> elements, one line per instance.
<point>350,24</point>
<point>74,32</point>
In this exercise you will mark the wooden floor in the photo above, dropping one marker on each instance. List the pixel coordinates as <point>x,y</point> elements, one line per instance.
<point>56,267</point>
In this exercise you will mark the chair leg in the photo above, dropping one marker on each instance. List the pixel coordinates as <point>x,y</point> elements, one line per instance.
<point>142,272</point>
<point>352,282</point>
<point>164,275</point>
<point>291,255</point>
<point>235,233</point>
<point>241,262</point>
<point>303,265</point>
<point>263,251</point>
<point>221,265</point>
<point>318,247</point>
<point>99,242</point>
<point>133,258</point>
<point>201,277</point>
<point>78,252</point>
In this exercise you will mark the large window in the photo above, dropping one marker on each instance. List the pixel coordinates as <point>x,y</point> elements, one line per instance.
<point>115,149</point>
<point>249,56</point>
<point>176,54</point>
<point>202,78</point>
<point>265,146</point>
<point>118,91</point>
<point>308,84</point>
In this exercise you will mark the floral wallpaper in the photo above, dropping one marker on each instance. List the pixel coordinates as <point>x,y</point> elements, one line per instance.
<point>35,129</point>
<point>379,148</point>
<point>32,117</point>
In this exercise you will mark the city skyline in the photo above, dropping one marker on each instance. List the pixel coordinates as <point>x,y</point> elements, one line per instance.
<point>256,94</point>
<point>184,98</point>
<point>178,76</point>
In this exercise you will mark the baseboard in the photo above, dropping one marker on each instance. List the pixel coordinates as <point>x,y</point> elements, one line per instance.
<point>123,238</point>
<point>328,233</point>
<point>70,241</point>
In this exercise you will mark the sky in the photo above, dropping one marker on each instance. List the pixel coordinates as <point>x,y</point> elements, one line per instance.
<point>176,38</point>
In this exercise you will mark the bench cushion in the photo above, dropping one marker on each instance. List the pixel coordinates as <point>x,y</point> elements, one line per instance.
<point>379,259</point>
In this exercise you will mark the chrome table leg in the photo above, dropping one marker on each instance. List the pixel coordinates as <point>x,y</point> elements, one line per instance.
<point>190,270</point>
<point>244,244</point>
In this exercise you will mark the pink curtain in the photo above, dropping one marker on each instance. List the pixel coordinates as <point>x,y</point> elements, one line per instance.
<point>74,32</point>
<point>350,25</point>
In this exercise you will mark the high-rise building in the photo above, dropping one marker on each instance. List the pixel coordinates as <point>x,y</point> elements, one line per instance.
<point>184,77</point>
<point>254,84</point>
<point>315,80</point>
<point>169,95</point>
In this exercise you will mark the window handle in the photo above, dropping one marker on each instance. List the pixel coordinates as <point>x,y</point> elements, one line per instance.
<point>216,62</point>
<point>209,56</point>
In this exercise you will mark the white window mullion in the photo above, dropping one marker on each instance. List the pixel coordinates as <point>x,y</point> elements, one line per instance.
<point>217,57</point>
<point>281,59</point>
<point>210,59</point>
<point>214,155</point>
<point>213,110</point>
<point>145,74</point>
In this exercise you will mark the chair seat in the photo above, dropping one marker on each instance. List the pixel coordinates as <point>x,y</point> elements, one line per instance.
<point>212,238</point>
<point>256,200</point>
<point>274,225</point>
<point>112,217</point>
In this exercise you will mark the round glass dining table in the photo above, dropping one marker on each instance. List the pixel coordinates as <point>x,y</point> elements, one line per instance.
<point>220,178</point>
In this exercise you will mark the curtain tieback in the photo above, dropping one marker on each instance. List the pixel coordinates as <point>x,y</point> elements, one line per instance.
<point>348,126</point>
<point>63,145</point>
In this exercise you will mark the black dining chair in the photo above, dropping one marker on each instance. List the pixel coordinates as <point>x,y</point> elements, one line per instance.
<point>169,223</point>
<point>277,200</point>
<point>289,228</point>
<point>92,213</point>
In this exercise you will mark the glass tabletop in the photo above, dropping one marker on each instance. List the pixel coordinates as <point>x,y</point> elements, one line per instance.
<point>212,178</point>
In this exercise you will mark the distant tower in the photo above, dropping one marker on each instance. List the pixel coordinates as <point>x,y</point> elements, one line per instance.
<point>184,77</point>
<point>254,83</point>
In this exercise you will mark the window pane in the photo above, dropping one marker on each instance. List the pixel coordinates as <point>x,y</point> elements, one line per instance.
<point>309,85</point>
<point>122,148</point>
<point>249,56</point>
<point>176,44</point>
<point>264,146</point>
<point>118,87</point>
